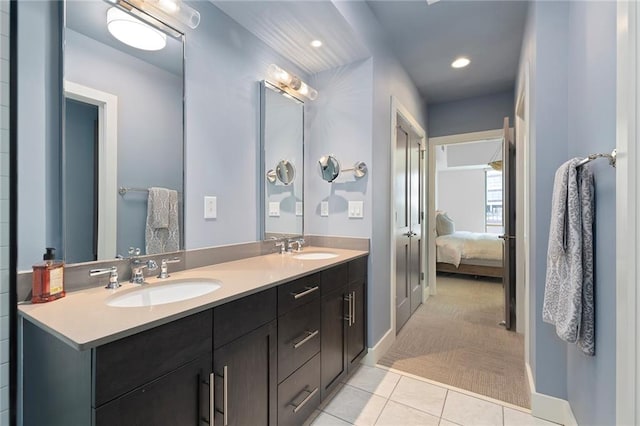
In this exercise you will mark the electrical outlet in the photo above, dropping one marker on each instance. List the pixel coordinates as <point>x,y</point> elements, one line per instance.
<point>324,208</point>
<point>210,207</point>
<point>298,208</point>
<point>356,209</point>
<point>274,209</point>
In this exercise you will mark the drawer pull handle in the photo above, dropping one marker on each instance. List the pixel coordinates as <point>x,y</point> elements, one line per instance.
<point>349,317</point>
<point>309,335</point>
<point>353,312</point>
<point>298,407</point>
<point>225,396</point>
<point>308,290</point>
<point>212,400</point>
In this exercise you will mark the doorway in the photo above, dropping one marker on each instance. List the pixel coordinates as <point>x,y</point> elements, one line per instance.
<point>408,222</point>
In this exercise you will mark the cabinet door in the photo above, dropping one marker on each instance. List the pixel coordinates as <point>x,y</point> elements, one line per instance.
<point>246,379</point>
<point>356,343</point>
<point>178,398</point>
<point>333,339</point>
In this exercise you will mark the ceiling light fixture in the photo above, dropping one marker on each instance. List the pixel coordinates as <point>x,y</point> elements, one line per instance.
<point>460,62</point>
<point>316,43</point>
<point>133,32</point>
<point>292,82</point>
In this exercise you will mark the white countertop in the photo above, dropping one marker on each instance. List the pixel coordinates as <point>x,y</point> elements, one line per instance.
<point>83,319</point>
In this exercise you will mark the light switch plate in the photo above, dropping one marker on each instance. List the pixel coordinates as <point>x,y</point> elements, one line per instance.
<point>210,207</point>
<point>356,209</point>
<point>298,208</point>
<point>274,209</point>
<point>324,208</point>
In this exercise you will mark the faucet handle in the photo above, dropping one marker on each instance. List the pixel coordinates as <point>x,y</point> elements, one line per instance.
<point>164,268</point>
<point>113,276</point>
<point>134,251</point>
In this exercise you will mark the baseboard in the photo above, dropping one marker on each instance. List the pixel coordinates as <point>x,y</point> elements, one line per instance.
<point>549,407</point>
<point>375,353</point>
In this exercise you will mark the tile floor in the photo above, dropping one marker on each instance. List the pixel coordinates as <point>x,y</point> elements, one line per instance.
<point>380,396</point>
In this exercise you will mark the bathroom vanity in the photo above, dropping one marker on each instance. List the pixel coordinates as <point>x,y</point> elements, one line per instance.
<point>264,349</point>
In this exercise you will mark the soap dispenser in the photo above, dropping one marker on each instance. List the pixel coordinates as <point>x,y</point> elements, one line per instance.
<point>48,279</point>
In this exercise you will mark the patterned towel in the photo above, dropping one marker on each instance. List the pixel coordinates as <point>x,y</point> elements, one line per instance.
<point>568,296</point>
<point>162,233</point>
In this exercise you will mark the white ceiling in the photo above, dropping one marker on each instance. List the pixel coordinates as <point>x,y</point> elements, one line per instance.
<point>289,26</point>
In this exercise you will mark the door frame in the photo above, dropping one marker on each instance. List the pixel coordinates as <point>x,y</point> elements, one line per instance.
<point>431,207</point>
<point>107,104</point>
<point>627,210</point>
<point>397,108</point>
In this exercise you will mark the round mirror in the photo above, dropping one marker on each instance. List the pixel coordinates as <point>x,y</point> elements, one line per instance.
<point>285,172</point>
<point>329,168</point>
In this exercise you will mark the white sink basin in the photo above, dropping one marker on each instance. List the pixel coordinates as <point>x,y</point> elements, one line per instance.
<point>315,255</point>
<point>160,294</point>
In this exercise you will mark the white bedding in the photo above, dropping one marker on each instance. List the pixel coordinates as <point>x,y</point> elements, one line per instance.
<point>460,245</point>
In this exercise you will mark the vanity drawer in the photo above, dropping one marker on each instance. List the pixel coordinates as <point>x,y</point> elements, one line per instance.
<point>298,292</point>
<point>298,337</point>
<point>237,318</point>
<point>358,269</point>
<point>334,278</point>
<point>127,363</point>
<point>299,395</point>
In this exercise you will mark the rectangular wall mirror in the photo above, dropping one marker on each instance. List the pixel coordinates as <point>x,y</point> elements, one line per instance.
<point>123,134</point>
<point>281,178</point>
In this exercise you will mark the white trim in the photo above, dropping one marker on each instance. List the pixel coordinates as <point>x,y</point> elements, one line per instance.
<point>375,353</point>
<point>627,198</point>
<point>108,154</point>
<point>398,109</point>
<point>467,137</point>
<point>548,407</point>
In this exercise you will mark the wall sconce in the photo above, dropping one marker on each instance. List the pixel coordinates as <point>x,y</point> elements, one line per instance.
<point>176,11</point>
<point>292,82</point>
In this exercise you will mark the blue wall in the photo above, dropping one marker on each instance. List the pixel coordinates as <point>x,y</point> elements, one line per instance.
<point>470,115</point>
<point>569,53</point>
<point>592,128</point>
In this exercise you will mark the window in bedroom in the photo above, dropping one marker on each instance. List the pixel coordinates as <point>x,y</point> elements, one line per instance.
<point>493,202</point>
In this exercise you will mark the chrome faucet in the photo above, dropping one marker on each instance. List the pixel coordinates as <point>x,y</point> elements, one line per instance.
<point>164,267</point>
<point>137,265</point>
<point>113,276</point>
<point>299,242</point>
<point>283,246</point>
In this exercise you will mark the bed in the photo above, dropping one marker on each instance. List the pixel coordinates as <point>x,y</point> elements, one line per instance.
<point>469,253</point>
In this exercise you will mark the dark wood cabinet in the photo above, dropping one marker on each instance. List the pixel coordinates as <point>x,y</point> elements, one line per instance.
<point>343,329</point>
<point>178,398</point>
<point>264,359</point>
<point>245,379</point>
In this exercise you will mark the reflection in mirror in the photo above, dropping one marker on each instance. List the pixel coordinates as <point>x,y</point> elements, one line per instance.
<point>329,167</point>
<point>282,136</point>
<point>123,127</point>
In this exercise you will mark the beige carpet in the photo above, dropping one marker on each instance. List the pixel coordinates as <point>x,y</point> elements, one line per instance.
<point>455,339</point>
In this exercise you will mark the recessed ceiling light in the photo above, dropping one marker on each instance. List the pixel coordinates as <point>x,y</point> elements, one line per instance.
<point>316,43</point>
<point>133,31</point>
<point>460,62</point>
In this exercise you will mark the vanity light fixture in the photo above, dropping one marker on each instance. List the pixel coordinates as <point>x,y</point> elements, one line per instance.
<point>316,43</point>
<point>172,12</point>
<point>460,62</point>
<point>287,80</point>
<point>133,32</point>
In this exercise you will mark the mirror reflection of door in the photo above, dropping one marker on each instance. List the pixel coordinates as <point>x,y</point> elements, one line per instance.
<point>81,181</point>
<point>408,225</point>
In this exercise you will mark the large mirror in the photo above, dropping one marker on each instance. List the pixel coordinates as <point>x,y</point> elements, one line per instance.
<point>282,163</point>
<point>122,162</point>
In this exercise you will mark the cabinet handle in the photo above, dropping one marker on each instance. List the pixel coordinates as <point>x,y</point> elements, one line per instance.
<point>212,400</point>
<point>298,407</point>
<point>309,335</point>
<point>349,317</point>
<point>353,313</point>
<point>308,290</point>
<point>225,396</point>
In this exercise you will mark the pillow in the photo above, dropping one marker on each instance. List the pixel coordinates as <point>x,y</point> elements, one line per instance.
<point>444,225</point>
